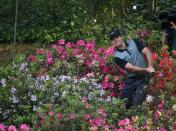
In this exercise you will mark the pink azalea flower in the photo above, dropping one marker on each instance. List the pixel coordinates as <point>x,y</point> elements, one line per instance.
<point>87,106</point>
<point>24,127</point>
<point>84,99</point>
<point>90,46</point>
<point>59,116</point>
<point>104,68</point>
<point>51,113</point>
<point>69,45</point>
<point>12,128</point>
<point>124,122</point>
<point>106,127</point>
<point>97,121</point>
<point>101,51</point>
<point>110,51</point>
<point>2,127</point>
<point>76,52</point>
<point>80,43</point>
<point>94,128</point>
<point>174,52</point>
<point>105,85</point>
<point>60,49</point>
<point>95,56</point>
<point>118,129</point>
<point>156,115</point>
<point>40,51</point>
<point>61,42</point>
<point>54,46</point>
<point>49,59</point>
<point>112,94</point>
<point>72,115</point>
<point>163,129</point>
<point>64,56</point>
<point>101,110</point>
<point>87,116</point>
<point>116,78</point>
<point>87,62</point>
<point>111,85</point>
<point>121,85</point>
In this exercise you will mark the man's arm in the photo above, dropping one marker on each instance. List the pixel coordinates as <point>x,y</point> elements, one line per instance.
<point>164,38</point>
<point>133,68</point>
<point>148,55</point>
<point>125,65</point>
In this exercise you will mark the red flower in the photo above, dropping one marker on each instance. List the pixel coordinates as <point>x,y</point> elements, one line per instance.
<point>155,56</point>
<point>31,58</point>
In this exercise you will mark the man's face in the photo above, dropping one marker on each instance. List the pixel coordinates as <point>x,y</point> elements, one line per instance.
<point>117,42</point>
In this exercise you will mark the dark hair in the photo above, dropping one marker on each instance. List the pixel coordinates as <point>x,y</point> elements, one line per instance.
<point>166,17</point>
<point>114,34</point>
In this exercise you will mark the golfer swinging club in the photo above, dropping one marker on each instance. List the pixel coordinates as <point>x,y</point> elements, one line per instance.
<point>130,56</point>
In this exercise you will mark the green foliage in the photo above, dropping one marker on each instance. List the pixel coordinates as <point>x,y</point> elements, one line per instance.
<point>47,21</point>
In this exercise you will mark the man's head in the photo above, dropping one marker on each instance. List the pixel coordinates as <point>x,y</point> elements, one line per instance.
<point>116,38</point>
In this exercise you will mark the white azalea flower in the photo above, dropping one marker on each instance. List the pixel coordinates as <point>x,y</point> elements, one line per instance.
<point>14,99</point>
<point>108,98</point>
<point>149,98</point>
<point>47,77</point>
<point>3,82</point>
<point>13,90</point>
<point>64,93</point>
<point>23,66</point>
<point>33,98</point>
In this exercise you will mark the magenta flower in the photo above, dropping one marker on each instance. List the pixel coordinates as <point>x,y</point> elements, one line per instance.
<point>80,43</point>
<point>24,127</point>
<point>101,51</point>
<point>90,46</point>
<point>156,115</point>
<point>121,85</point>
<point>60,49</point>
<point>124,122</point>
<point>61,42</point>
<point>105,85</point>
<point>49,59</point>
<point>12,128</point>
<point>51,113</point>
<point>2,127</point>
<point>59,116</point>
<point>88,63</point>
<point>76,52</point>
<point>97,121</point>
<point>64,56</point>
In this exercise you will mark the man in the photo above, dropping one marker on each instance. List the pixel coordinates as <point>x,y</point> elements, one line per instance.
<point>130,56</point>
<point>168,25</point>
<point>169,37</point>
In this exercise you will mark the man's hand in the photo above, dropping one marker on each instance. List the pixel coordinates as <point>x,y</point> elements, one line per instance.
<point>150,70</point>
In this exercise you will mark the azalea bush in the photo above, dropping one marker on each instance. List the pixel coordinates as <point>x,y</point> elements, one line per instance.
<point>75,86</point>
